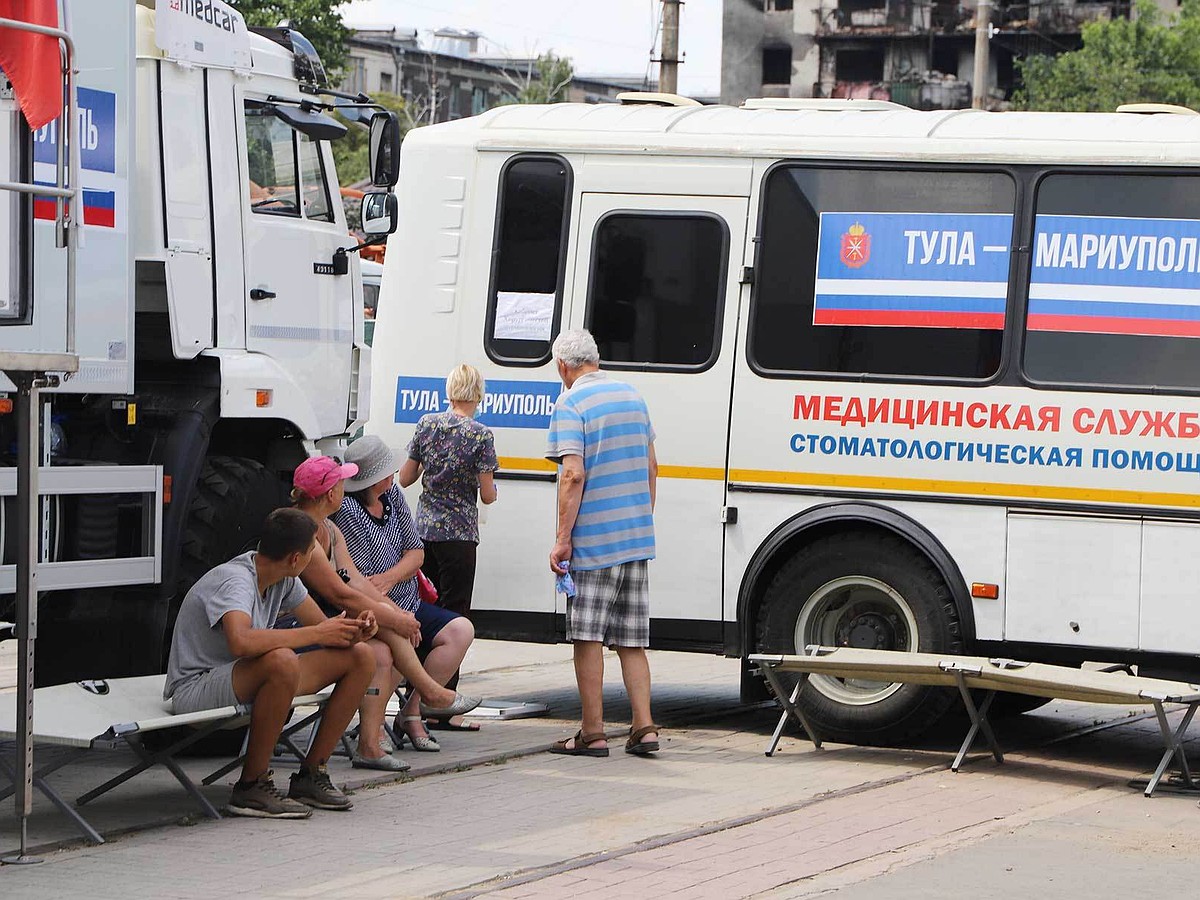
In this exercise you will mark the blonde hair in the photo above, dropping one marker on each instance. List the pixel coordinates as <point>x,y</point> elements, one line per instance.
<point>465,385</point>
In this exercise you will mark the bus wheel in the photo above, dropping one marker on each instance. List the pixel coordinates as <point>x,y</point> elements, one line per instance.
<point>867,590</point>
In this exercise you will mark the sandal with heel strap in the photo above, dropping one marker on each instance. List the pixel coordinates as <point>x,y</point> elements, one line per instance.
<point>426,743</point>
<point>636,745</point>
<point>581,747</point>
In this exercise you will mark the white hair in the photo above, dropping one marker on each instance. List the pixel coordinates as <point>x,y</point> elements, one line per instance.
<point>465,385</point>
<point>576,348</point>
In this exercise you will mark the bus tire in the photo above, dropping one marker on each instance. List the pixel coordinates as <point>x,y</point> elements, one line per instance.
<point>1006,705</point>
<point>868,590</point>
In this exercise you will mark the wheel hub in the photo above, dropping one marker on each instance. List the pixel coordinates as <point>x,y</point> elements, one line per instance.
<point>861,612</point>
<point>868,632</point>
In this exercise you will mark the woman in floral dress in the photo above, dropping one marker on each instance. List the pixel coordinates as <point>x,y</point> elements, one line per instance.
<point>455,457</point>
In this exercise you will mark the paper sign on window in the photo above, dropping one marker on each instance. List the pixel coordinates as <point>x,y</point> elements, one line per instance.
<point>523,317</point>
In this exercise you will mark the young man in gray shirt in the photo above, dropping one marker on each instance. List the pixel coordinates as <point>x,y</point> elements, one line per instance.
<point>225,652</point>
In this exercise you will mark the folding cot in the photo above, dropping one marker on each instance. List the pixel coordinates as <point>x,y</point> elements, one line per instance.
<point>106,714</point>
<point>990,676</point>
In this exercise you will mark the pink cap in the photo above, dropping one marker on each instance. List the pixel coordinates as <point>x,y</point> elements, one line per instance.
<point>319,474</point>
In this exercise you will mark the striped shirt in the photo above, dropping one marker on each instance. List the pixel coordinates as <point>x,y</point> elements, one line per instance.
<point>376,545</point>
<point>606,422</point>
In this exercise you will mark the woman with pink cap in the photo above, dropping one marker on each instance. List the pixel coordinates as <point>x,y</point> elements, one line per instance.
<point>334,580</point>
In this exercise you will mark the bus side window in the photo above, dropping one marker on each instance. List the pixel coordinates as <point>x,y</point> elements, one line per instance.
<point>869,273</point>
<point>525,301</point>
<point>656,287</point>
<point>1113,281</point>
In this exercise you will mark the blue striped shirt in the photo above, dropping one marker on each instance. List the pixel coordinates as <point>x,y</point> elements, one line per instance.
<point>606,422</point>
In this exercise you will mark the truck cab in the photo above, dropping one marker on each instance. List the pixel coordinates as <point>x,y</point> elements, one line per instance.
<point>220,309</point>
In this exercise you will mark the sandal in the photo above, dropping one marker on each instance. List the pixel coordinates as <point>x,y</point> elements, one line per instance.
<point>581,747</point>
<point>637,746</point>
<point>426,743</point>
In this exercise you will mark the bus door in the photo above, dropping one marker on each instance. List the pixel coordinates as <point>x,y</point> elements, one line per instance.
<point>657,282</point>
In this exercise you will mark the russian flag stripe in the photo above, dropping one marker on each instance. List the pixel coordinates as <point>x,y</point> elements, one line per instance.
<point>909,318</point>
<point>867,302</point>
<point>99,208</point>
<point>1110,325</point>
<point>1109,310</point>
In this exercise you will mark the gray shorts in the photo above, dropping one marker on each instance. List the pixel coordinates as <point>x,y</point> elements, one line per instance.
<point>611,605</point>
<point>208,690</point>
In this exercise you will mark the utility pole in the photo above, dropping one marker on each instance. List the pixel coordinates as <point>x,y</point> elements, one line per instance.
<point>668,64</point>
<point>983,26</point>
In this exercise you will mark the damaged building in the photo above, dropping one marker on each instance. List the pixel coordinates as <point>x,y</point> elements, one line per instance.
<point>914,52</point>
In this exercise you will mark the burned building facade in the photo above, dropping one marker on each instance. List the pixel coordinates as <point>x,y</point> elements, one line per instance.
<point>916,52</point>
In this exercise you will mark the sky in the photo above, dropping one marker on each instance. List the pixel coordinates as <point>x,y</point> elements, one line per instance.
<point>602,37</point>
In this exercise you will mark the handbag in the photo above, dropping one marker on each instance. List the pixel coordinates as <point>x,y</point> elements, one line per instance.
<point>425,589</point>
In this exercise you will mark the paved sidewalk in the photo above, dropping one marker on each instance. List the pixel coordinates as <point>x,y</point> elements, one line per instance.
<point>712,817</point>
<point>494,669</point>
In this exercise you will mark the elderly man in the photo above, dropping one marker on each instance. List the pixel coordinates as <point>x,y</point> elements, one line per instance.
<point>602,440</point>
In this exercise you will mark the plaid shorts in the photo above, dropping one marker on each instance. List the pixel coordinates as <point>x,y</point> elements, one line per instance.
<point>611,605</point>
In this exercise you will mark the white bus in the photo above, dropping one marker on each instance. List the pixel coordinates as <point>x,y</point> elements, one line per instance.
<point>921,380</point>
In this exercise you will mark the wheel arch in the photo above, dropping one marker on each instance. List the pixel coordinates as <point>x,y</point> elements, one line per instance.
<point>829,518</point>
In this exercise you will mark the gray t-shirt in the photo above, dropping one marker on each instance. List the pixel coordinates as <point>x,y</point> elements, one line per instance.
<point>199,644</point>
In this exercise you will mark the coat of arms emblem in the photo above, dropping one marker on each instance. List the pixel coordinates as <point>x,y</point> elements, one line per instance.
<point>856,246</point>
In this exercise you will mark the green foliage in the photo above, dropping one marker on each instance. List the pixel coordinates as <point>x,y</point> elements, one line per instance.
<point>1149,58</point>
<point>351,149</point>
<point>554,74</point>
<point>318,20</point>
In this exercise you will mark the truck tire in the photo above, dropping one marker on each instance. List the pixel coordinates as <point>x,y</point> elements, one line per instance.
<point>233,498</point>
<point>868,590</point>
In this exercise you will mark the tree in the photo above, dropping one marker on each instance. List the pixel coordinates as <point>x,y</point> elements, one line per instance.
<point>544,80</point>
<point>350,150</point>
<point>318,20</point>
<point>1147,58</point>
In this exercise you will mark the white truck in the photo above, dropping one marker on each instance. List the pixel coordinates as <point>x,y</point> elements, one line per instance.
<point>218,320</point>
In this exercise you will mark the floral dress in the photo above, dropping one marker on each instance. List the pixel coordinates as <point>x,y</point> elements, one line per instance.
<point>453,450</point>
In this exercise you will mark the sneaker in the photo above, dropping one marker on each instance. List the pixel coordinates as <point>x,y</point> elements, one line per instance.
<point>262,800</point>
<point>314,788</point>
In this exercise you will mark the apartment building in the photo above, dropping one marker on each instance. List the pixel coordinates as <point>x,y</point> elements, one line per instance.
<point>916,52</point>
<point>453,77</point>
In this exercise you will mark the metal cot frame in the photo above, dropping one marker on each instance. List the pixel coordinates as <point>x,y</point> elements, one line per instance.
<point>967,674</point>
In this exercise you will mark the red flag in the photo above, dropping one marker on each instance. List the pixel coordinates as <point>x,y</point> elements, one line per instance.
<point>31,61</point>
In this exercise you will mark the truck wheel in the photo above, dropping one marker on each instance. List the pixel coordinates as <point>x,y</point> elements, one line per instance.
<point>861,589</point>
<point>233,498</point>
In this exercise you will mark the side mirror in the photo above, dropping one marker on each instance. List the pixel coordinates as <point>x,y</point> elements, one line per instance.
<point>384,147</point>
<point>380,213</point>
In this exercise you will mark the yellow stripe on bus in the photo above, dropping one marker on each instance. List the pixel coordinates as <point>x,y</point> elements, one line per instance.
<point>526,464</point>
<point>897,485</point>
<point>977,488</point>
<point>532,464</point>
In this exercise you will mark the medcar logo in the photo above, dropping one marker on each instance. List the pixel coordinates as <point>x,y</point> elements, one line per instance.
<point>209,12</point>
